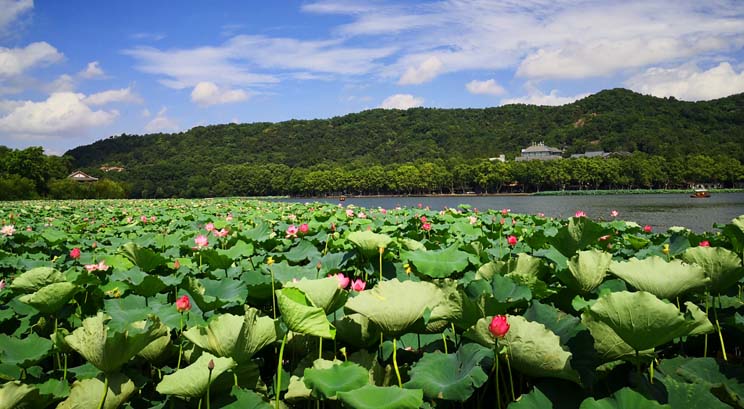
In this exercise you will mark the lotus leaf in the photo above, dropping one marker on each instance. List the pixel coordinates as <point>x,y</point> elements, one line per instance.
<point>87,393</point>
<point>368,242</point>
<point>155,349</point>
<point>664,279</point>
<point>622,399</point>
<point>340,377</point>
<point>451,376</point>
<point>246,399</point>
<point>237,337</point>
<point>580,233</point>
<point>108,350</point>
<point>304,250</point>
<point>238,250</point>
<point>609,346</point>
<point>722,266</point>
<point>536,399</point>
<point>301,316</point>
<point>397,306</point>
<point>51,298</point>
<point>378,397</point>
<point>192,381</point>
<point>17,395</point>
<point>23,352</point>
<point>144,258</point>
<point>34,279</point>
<point>356,329</point>
<point>211,294</point>
<point>438,263</point>
<point>641,319</point>
<point>711,374</point>
<point>323,293</point>
<point>523,265</point>
<point>588,269</point>
<point>689,395</point>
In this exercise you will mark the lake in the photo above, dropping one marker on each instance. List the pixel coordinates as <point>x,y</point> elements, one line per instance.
<point>660,211</point>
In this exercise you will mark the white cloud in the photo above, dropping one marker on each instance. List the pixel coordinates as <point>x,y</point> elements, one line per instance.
<point>61,113</point>
<point>14,61</point>
<point>12,9</point>
<point>208,93</point>
<point>401,101</point>
<point>161,123</point>
<point>63,83</point>
<point>425,72</point>
<point>688,82</point>
<point>113,95</point>
<point>536,97</point>
<point>146,113</point>
<point>488,87</point>
<point>93,70</point>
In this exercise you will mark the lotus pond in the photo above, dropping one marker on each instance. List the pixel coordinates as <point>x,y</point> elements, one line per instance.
<point>246,304</point>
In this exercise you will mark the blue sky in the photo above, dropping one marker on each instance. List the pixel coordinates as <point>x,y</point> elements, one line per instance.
<point>72,72</point>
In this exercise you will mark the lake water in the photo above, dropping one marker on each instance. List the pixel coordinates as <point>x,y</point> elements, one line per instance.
<point>660,211</point>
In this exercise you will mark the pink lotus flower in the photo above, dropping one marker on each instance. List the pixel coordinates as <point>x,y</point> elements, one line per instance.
<point>704,243</point>
<point>420,205</point>
<point>473,219</point>
<point>499,326</point>
<point>343,281</point>
<point>143,218</point>
<point>152,219</point>
<point>183,304</point>
<point>580,213</point>
<point>505,212</point>
<point>383,211</point>
<point>292,231</point>
<point>512,240</point>
<point>605,237</point>
<point>2,284</point>
<point>201,241</point>
<point>176,264</point>
<point>7,230</point>
<point>129,219</point>
<point>94,245</point>
<point>75,253</point>
<point>647,228</point>
<point>501,221</point>
<point>358,285</point>
<point>220,233</point>
<point>304,228</point>
<point>102,265</point>
<point>362,215</point>
<point>209,227</point>
<point>614,213</point>
<point>541,214</point>
<point>426,226</point>
<point>349,213</point>
<point>229,217</point>
<point>28,228</point>
<point>91,267</point>
<point>423,219</point>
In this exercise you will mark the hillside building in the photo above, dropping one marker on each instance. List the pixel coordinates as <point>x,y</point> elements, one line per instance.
<point>80,176</point>
<point>539,151</point>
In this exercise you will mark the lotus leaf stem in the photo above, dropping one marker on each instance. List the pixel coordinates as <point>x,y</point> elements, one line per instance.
<point>105,391</point>
<point>444,339</point>
<point>638,363</point>
<point>705,345</point>
<point>209,384</point>
<point>64,371</point>
<point>718,328</point>
<point>320,347</point>
<point>651,372</point>
<point>495,370</point>
<point>273,292</point>
<point>508,366</point>
<point>395,363</point>
<point>382,250</point>
<point>278,386</point>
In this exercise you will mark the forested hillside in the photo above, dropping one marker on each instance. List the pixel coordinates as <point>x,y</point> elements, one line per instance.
<point>195,162</point>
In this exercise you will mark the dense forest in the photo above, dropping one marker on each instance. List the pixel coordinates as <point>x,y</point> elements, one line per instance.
<point>660,143</point>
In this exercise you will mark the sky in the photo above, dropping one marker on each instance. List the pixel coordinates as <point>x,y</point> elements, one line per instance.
<point>73,72</point>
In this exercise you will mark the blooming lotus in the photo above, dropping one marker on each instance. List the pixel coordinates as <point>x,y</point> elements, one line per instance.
<point>647,228</point>
<point>75,253</point>
<point>423,219</point>
<point>229,218</point>
<point>7,230</point>
<point>349,213</point>
<point>183,304</point>
<point>221,233</point>
<point>512,240</point>
<point>504,212</point>
<point>343,281</point>
<point>614,213</point>
<point>358,285</point>
<point>472,219</point>
<point>201,241</point>
<point>2,284</point>
<point>304,228</point>
<point>426,226</point>
<point>499,326</point>
<point>209,227</point>
<point>292,231</point>
<point>143,218</point>
<point>176,264</point>
<point>580,213</point>
<point>604,238</point>
<point>704,243</point>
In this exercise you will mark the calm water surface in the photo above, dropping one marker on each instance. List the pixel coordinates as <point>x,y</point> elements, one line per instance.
<point>661,211</point>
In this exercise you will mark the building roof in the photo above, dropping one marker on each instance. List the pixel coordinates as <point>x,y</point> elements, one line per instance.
<point>81,176</point>
<point>541,147</point>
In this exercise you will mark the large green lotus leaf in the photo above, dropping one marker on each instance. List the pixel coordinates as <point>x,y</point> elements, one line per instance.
<point>356,329</point>
<point>156,348</point>
<point>238,250</point>
<point>301,315</point>
<point>212,294</point>
<point>580,233</point>
<point>537,351</point>
<point>623,399</point>
<point>246,399</point>
<point>108,350</point>
<point>685,395</point>
<point>664,279</point>
<point>700,318</point>
<point>49,299</point>
<point>451,376</point>
<point>23,352</point>
<point>368,242</point>
<point>87,393</point>
<point>144,258</point>
<point>343,377</point>
<point>34,279</point>
<point>566,326</point>
<point>722,266</point>
<point>378,397</point>
<point>54,389</point>
<point>16,395</point>
<point>536,399</point>
<point>641,319</point>
<point>609,346</point>
<point>708,372</point>
<point>192,381</point>
<point>237,337</point>
<point>479,333</point>
<point>448,310</point>
<point>396,306</point>
<point>438,263</point>
<point>304,250</point>
<point>523,265</point>
<point>323,293</point>
<point>588,269</point>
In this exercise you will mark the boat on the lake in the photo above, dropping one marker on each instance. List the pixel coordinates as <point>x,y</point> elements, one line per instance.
<point>700,192</point>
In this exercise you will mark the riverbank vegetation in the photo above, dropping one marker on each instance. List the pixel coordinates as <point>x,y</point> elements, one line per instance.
<point>248,304</point>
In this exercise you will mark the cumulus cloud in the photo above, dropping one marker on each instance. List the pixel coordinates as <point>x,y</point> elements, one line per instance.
<point>93,70</point>
<point>61,113</point>
<point>424,72</point>
<point>113,95</point>
<point>208,93</point>
<point>487,87</point>
<point>162,123</point>
<point>12,9</point>
<point>15,61</point>
<point>688,82</point>
<point>401,101</point>
<point>63,83</point>
<point>536,97</point>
